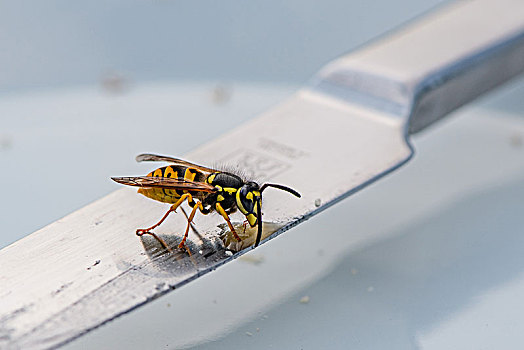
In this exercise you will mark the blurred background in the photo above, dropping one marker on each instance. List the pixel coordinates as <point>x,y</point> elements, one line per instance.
<point>64,44</point>
<point>84,87</point>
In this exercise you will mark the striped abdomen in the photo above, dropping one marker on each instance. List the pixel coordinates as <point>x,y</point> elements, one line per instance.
<point>177,172</point>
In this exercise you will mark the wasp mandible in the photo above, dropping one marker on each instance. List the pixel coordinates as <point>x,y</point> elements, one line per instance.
<point>205,189</point>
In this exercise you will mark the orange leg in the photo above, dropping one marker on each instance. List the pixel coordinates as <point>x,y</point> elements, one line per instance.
<point>198,205</point>
<point>244,224</point>
<point>222,212</point>
<point>193,226</point>
<point>146,231</point>
<point>143,231</point>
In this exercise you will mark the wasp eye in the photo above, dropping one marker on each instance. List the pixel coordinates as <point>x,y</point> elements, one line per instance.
<point>248,202</point>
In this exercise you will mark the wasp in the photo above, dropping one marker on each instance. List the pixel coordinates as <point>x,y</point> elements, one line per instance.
<point>205,189</point>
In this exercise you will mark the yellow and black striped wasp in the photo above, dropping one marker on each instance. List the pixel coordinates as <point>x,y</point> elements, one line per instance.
<point>205,189</point>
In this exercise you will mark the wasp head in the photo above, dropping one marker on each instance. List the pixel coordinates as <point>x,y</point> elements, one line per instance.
<point>248,200</point>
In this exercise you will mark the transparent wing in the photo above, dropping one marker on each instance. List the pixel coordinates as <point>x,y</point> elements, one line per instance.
<point>146,157</point>
<point>164,182</point>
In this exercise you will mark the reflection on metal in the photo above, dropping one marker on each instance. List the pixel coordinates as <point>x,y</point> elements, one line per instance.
<point>247,234</point>
<point>221,246</point>
<point>351,124</point>
<point>181,261</point>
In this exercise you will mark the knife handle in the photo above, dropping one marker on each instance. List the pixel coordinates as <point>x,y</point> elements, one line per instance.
<point>426,69</point>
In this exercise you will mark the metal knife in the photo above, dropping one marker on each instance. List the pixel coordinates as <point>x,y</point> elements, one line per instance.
<point>352,122</point>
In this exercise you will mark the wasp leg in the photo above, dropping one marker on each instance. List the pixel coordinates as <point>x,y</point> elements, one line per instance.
<point>198,205</point>
<point>146,231</point>
<point>193,226</point>
<point>143,231</point>
<point>244,225</point>
<point>222,212</point>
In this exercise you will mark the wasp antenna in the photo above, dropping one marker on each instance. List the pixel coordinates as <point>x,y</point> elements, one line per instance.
<point>281,187</point>
<point>259,218</point>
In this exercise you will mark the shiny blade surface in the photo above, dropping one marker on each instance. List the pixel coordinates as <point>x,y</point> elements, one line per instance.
<point>329,140</point>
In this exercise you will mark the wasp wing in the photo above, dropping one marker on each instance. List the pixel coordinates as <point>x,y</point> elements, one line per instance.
<point>146,157</point>
<point>165,182</point>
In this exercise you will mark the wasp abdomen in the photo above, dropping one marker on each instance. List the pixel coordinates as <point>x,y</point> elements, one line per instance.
<point>176,172</point>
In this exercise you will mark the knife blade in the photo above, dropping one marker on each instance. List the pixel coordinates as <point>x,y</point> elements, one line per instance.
<point>352,122</point>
